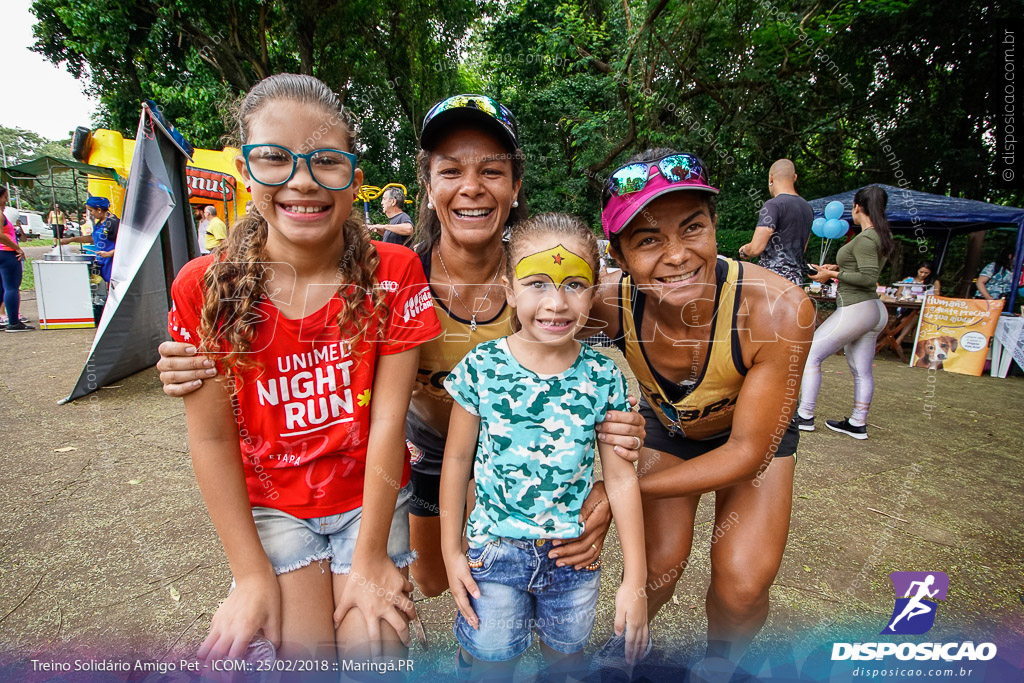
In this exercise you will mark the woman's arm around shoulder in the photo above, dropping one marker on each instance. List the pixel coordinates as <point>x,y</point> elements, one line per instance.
<point>605,308</point>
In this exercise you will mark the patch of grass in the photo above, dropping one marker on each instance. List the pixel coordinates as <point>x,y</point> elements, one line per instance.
<point>40,242</point>
<point>28,276</point>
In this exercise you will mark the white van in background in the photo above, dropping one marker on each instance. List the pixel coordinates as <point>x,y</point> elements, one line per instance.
<point>34,225</point>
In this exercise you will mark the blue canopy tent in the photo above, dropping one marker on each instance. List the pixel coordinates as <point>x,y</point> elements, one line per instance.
<point>928,215</point>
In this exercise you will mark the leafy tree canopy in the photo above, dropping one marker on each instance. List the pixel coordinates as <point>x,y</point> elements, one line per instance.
<point>853,92</point>
<point>24,145</point>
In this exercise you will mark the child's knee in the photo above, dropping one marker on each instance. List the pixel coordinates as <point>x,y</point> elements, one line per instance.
<point>562,666</point>
<point>353,640</point>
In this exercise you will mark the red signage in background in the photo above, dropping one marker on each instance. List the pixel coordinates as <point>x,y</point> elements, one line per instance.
<point>210,184</point>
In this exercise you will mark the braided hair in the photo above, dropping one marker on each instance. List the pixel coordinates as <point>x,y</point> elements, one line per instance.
<point>235,281</point>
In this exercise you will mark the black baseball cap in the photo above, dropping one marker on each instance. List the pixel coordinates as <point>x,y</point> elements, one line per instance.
<point>481,110</point>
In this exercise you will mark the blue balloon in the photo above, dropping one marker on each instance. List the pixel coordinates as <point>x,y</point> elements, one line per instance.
<point>834,228</point>
<point>834,210</point>
<point>818,227</point>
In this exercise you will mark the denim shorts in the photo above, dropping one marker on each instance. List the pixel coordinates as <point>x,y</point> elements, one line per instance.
<point>292,543</point>
<point>522,591</point>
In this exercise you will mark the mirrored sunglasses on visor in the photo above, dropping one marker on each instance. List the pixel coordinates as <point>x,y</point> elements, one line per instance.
<point>632,187</point>
<point>478,103</point>
<point>675,168</point>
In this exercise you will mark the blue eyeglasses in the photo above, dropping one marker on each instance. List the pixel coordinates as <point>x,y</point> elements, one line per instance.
<point>274,165</point>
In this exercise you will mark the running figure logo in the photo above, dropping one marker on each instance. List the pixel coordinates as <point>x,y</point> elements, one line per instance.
<point>915,608</point>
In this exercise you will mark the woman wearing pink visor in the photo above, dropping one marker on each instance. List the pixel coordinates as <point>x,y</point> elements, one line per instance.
<point>718,348</point>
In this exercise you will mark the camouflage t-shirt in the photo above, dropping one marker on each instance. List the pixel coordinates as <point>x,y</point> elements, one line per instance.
<point>535,453</point>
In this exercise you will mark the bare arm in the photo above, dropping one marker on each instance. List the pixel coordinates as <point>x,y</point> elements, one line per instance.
<point>764,407</point>
<point>604,312</point>
<point>216,458</point>
<point>11,244</point>
<point>631,599</point>
<point>758,243</point>
<point>459,454</point>
<point>621,429</point>
<point>982,279</point>
<point>404,229</point>
<point>374,575</point>
<point>81,239</point>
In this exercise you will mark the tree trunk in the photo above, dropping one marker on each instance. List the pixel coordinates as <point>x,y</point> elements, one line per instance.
<point>896,264</point>
<point>972,265</point>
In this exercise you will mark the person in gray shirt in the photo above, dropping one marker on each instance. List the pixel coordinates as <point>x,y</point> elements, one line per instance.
<point>783,226</point>
<point>399,227</point>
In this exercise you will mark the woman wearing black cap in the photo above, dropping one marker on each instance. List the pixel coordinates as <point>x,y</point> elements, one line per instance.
<point>470,171</point>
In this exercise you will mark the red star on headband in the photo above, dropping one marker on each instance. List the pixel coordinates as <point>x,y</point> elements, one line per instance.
<point>558,258</point>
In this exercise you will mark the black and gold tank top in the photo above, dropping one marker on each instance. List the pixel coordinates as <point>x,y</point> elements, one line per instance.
<point>704,409</point>
<point>431,405</point>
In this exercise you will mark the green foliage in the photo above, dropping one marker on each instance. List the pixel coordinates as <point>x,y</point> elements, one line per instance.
<point>195,58</point>
<point>23,145</point>
<point>28,274</point>
<point>852,92</point>
<point>730,241</point>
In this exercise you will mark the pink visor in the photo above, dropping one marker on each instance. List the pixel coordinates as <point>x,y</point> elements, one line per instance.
<point>621,209</point>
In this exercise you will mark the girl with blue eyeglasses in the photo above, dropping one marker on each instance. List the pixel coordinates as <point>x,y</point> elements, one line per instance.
<point>299,444</point>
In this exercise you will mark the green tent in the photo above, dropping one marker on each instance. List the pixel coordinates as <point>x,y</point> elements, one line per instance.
<point>26,175</point>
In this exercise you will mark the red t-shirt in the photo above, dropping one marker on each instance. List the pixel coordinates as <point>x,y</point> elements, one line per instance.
<point>304,419</point>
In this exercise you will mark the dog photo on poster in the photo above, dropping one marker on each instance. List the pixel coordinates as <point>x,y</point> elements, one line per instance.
<point>954,334</point>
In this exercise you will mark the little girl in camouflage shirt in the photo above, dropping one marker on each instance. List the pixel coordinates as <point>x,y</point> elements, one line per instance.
<point>523,426</point>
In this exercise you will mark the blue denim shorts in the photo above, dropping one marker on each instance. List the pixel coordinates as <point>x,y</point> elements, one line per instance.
<point>292,543</point>
<point>522,591</point>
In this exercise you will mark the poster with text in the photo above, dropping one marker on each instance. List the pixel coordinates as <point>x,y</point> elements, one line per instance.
<point>954,334</point>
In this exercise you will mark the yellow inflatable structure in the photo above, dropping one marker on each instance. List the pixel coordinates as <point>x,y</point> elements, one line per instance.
<point>212,177</point>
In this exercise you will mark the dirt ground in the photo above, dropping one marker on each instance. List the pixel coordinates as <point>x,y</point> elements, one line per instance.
<point>105,543</point>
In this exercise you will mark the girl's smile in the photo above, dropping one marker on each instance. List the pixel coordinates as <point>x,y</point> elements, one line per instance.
<point>301,213</point>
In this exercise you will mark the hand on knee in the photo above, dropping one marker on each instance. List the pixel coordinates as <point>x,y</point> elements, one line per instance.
<point>354,641</point>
